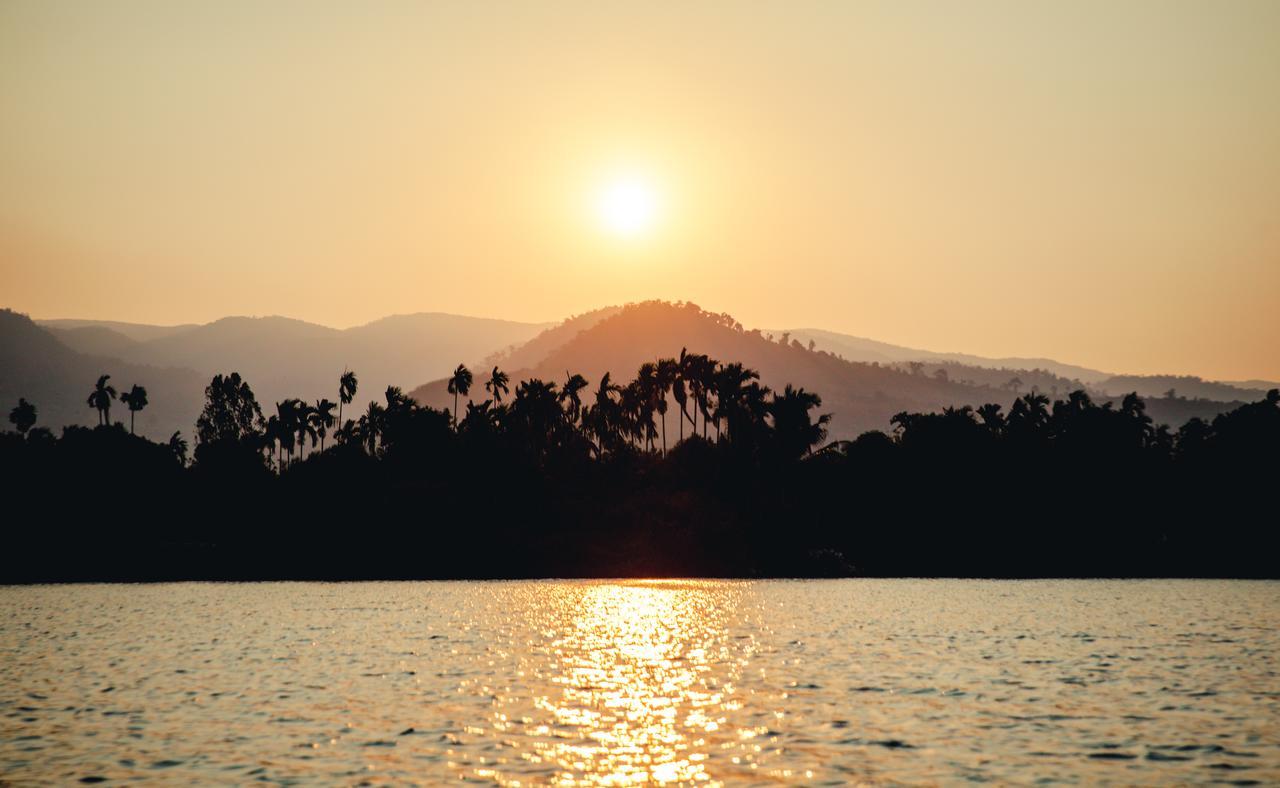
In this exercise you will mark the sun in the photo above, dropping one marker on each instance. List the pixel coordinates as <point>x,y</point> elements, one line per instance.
<point>628,206</point>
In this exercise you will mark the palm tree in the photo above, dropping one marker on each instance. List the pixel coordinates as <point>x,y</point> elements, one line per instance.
<point>704,377</point>
<point>604,414</point>
<point>575,384</point>
<point>100,398</point>
<point>322,417</point>
<point>678,387</point>
<point>178,445</point>
<point>286,426</point>
<point>460,383</point>
<point>371,425</point>
<point>991,418</point>
<point>496,385</point>
<point>648,393</point>
<point>136,399</point>
<point>731,382</point>
<point>665,380</point>
<point>346,391</point>
<point>794,429</point>
<point>305,425</point>
<point>23,417</point>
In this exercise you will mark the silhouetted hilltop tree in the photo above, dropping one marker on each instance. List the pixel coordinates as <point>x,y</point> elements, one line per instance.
<point>100,399</point>
<point>135,399</point>
<point>231,412</point>
<point>23,416</point>
<point>347,386</point>
<point>459,383</point>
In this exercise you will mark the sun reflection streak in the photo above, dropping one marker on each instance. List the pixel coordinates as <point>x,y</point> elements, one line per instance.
<point>639,701</point>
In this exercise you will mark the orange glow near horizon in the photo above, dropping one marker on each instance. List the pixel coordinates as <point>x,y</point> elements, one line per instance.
<point>1096,183</point>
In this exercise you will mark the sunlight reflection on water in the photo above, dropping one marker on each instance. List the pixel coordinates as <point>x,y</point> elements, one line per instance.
<point>618,683</point>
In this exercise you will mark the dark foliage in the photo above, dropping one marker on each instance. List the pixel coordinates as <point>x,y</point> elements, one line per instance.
<point>550,480</point>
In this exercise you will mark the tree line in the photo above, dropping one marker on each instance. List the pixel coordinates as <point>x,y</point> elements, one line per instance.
<point>565,478</point>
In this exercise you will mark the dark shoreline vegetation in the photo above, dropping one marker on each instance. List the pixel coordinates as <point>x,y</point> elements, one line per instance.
<point>691,469</point>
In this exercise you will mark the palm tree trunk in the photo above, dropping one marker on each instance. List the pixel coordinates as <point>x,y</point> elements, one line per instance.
<point>455,411</point>
<point>664,434</point>
<point>131,422</point>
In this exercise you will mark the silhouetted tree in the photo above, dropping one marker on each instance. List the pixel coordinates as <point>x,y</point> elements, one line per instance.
<point>496,385</point>
<point>795,430</point>
<point>346,391</point>
<point>23,416</point>
<point>571,393</point>
<point>322,418</point>
<point>230,413</point>
<point>100,399</point>
<point>459,383</point>
<point>178,446</point>
<point>135,399</point>
<point>665,379</point>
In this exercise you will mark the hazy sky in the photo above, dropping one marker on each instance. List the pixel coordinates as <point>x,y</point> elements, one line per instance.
<point>1094,181</point>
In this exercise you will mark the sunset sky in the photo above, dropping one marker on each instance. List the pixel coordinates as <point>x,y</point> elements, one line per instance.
<point>1098,182</point>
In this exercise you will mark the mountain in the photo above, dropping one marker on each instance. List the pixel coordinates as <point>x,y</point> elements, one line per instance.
<point>139,332</point>
<point>282,357</point>
<point>1185,386</point>
<point>860,396</point>
<point>853,348</point>
<point>36,365</point>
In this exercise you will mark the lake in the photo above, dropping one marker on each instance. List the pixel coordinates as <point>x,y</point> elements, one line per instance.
<point>832,681</point>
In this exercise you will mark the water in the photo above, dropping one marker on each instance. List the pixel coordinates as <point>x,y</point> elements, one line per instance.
<point>596,682</point>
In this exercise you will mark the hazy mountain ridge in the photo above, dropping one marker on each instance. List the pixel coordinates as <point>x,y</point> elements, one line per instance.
<point>853,348</point>
<point>1186,387</point>
<point>861,396</point>
<point>282,357</point>
<point>36,365</point>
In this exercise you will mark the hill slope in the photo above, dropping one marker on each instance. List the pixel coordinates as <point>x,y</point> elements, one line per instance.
<point>282,357</point>
<point>34,364</point>
<point>853,348</point>
<point>860,396</point>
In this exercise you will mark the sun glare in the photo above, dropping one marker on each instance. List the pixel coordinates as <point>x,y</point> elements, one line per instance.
<point>627,207</point>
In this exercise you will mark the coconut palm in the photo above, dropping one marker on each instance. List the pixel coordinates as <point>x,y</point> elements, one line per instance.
<point>665,379</point>
<point>571,392</point>
<point>795,431</point>
<point>286,426</point>
<point>371,425</point>
<point>496,385</point>
<point>322,418</point>
<point>648,392</point>
<point>135,399</point>
<point>679,387</point>
<point>460,383</point>
<point>23,417</point>
<point>100,399</point>
<point>178,445</point>
<point>346,391</point>
<point>731,381</point>
<point>304,424</point>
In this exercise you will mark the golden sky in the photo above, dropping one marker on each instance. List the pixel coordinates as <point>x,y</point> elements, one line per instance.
<point>1098,182</point>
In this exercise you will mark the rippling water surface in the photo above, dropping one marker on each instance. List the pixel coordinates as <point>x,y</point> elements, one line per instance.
<point>621,682</point>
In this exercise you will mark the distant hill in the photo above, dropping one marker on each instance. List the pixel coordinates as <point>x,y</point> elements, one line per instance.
<point>853,348</point>
<point>861,396</point>
<point>1185,386</point>
<point>139,332</point>
<point>282,357</point>
<point>34,364</point>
